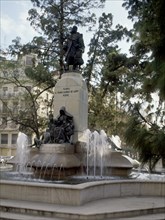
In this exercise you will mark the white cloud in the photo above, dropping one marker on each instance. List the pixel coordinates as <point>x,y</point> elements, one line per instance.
<point>7,25</point>
<point>23,4</point>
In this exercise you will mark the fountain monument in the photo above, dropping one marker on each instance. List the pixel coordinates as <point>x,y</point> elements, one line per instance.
<point>42,193</point>
<point>71,156</point>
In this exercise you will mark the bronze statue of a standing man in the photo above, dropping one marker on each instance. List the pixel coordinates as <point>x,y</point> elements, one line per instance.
<point>74,48</point>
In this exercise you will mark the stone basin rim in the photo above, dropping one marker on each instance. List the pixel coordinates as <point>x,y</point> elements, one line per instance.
<point>80,185</point>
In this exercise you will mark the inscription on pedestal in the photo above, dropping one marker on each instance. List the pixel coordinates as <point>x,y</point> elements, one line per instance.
<point>66,91</point>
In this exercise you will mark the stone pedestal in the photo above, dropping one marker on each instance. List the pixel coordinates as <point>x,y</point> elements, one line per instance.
<point>71,92</point>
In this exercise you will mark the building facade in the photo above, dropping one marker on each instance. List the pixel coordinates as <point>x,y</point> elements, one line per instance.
<point>11,102</point>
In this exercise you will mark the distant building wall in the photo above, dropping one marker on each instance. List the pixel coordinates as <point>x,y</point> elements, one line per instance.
<point>11,94</point>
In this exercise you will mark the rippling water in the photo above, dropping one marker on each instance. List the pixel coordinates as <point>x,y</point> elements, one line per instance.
<point>28,177</point>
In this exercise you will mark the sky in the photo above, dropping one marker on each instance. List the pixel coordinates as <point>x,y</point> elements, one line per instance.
<point>14,13</point>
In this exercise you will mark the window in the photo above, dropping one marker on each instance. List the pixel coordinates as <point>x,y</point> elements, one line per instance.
<point>15,107</point>
<point>15,89</point>
<point>5,89</point>
<point>16,73</point>
<point>4,138</point>
<point>30,60</point>
<point>4,107</point>
<point>5,73</point>
<point>4,121</point>
<point>14,138</point>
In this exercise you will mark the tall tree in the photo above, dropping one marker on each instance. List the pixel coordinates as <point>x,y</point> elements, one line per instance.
<point>145,132</point>
<point>103,75</point>
<point>53,19</point>
<point>146,129</point>
<point>149,29</point>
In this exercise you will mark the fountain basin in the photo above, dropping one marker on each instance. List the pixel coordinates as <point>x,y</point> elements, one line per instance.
<point>59,155</point>
<point>6,167</point>
<point>79,194</point>
<point>112,163</point>
<point>52,161</point>
<point>70,160</point>
<point>3,163</point>
<point>60,161</point>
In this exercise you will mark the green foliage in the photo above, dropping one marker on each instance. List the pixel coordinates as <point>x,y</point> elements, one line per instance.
<point>136,78</point>
<point>31,99</point>
<point>41,75</point>
<point>102,47</point>
<point>146,129</point>
<point>145,136</point>
<point>103,74</point>
<point>149,28</point>
<point>104,113</point>
<point>54,20</point>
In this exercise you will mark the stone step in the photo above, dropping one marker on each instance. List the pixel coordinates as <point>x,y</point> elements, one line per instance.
<point>15,216</point>
<point>160,216</point>
<point>113,208</point>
